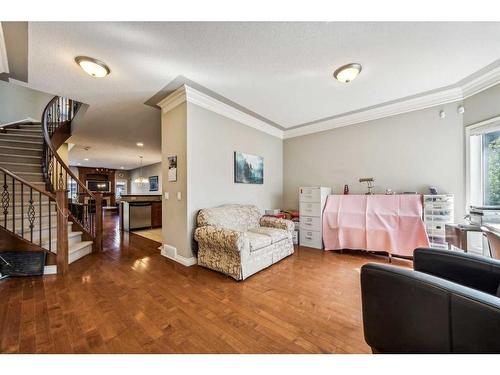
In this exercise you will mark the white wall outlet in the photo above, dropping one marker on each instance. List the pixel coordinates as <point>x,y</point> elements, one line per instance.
<point>179,195</point>
<point>167,195</point>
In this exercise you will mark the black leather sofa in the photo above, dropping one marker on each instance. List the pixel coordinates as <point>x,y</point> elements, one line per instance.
<point>449,303</point>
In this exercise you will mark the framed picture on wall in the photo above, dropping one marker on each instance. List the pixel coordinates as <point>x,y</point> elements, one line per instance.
<point>153,183</point>
<point>172,168</point>
<point>248,169</point>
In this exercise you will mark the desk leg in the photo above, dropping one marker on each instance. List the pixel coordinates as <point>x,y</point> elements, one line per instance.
<point>463,240</point>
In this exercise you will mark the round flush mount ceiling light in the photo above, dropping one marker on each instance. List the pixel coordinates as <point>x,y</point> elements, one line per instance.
<point>93,67</point>
<point>139,144</point>
<point>346,73</point>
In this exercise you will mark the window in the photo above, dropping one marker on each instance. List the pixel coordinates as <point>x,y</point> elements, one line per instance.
<point>483,172</point>
<point>121,188</point>
<point>72,191</point>
<point>484,164</point>
<point>491,165</point>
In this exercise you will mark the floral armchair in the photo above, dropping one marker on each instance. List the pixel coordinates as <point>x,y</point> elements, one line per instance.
<point>238,241</point>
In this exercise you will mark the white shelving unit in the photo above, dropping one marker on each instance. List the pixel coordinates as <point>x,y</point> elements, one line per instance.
<point>311,204</point>
<point>438,211</point>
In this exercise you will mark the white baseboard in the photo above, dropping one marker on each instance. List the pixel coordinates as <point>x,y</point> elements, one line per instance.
<point>50,270</point>
<point>170,252</point>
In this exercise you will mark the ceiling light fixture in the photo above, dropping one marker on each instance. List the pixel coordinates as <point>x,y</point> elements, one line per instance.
<point>140,144</point>
<point>86,159</point>
<point>93,67</point>
<point>141,179</point>
<point>347,73</point>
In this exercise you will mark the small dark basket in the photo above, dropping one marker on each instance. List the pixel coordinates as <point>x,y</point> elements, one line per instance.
<point>22,263</point>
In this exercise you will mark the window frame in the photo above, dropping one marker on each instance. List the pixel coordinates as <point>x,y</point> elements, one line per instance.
<point>481,127</point>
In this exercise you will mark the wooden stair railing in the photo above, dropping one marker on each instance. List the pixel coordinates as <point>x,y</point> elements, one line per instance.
<point>84,207</point>
<point>26,218</point>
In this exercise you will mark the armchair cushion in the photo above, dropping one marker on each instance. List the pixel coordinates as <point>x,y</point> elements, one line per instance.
<point>274,234</point>
<point>258,241</point>
<point>221,238</point>
<point>273,222</point>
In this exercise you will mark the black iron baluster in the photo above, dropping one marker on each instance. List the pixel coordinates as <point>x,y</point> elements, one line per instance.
<point>13,205</point>
<point>61,180</point>
<point>31,214</point>
<point>40,209</point>
<point>5,199</point>
<point>22,210</point>
<point>50,227</point>
<point>58,112</point>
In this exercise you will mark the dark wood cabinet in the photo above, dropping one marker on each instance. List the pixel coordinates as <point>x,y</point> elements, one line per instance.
<point>156,214</point>
<point>100,174</point>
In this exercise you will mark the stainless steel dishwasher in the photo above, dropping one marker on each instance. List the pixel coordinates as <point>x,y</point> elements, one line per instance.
<point>139,215</point>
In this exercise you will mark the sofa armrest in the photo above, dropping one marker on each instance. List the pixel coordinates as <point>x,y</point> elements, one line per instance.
<point>227,239</point>
<point>474,271</point>
<point>406,311</point>
<point>273,222</point>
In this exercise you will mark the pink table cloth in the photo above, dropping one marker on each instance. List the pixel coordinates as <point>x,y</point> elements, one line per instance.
<point>391,223</point>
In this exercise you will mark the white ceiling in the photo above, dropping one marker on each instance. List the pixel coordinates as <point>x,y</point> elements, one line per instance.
<point>282,71</point>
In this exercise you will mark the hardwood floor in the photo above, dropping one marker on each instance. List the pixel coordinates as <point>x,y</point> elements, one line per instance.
<point>130,299</point>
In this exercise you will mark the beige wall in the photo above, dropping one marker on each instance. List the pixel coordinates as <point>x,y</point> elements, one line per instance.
<point>212,141</point>
<point>147,171</point>
<point>63,153</point>
<point>174,142</point>
<point>204,143</point>
<point>407,152</point>
<point>482,106</point>
<point>18,102</point>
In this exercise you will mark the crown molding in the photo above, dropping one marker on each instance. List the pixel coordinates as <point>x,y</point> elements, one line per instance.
<point>471,85</point>
<point>4,63</point>
<point>475,84</point>
<point>381,111</point>
<point>188,94</point>
<point>173,100</point>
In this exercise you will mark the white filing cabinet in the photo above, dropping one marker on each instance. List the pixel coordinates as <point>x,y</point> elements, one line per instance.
<point>438,211</point>
<point>311,204</point>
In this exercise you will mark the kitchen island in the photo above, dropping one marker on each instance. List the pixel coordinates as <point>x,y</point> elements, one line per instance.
<point>140,211</point>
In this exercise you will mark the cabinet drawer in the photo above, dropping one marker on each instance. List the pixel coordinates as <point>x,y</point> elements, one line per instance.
<point>310,195</point>
<point>311,238</point>
<point>310,223</point>
<point>310,209</point>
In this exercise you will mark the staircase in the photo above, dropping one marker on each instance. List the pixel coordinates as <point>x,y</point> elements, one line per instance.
<point>37,205</point>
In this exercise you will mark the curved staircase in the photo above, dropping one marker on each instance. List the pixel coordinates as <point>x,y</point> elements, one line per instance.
<point>38,193</point>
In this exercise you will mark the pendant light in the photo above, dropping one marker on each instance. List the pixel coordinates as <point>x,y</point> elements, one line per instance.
<point>141,179</point>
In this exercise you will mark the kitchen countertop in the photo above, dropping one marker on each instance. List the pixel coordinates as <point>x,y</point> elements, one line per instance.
<point>141,198</point>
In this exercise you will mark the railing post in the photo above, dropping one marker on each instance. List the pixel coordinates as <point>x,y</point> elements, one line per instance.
<point>62,231</point>
<point>98,222</point>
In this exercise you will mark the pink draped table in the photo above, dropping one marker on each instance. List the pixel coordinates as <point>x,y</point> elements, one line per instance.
<point>391,223</point>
